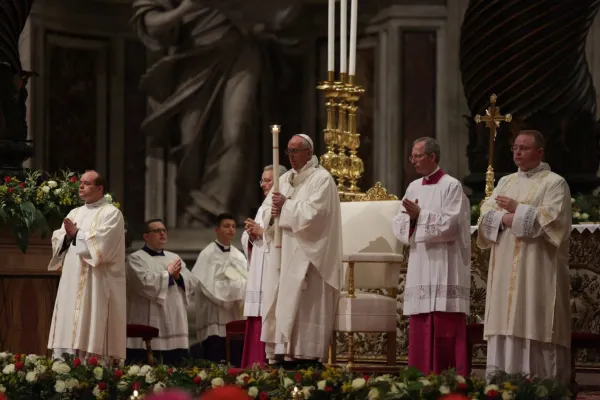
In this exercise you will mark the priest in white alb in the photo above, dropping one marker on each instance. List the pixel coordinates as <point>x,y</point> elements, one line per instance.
<point>301,294</point>
<point>89,249</point>
<point>159,290</point>
<point>222,272</point>
<point>527,224</point>
<point>254,249</point>
<point>434,220</point>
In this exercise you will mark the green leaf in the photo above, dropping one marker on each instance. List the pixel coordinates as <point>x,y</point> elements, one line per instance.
<point>3,215</point>
<point>28,211</point>
<point>22,236</point>
<point>41,224</point>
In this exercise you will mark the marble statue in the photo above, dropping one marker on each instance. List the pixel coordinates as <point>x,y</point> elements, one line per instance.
<point>208,92</point>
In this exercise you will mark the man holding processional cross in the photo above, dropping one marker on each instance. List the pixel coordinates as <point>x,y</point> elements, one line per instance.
<point>526,222</point>
<point>302,288</point>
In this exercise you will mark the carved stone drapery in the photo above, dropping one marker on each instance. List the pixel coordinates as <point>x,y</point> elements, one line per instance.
<point>584,263</point>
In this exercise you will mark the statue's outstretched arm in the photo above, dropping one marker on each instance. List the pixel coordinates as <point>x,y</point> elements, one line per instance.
<point>160,22</point>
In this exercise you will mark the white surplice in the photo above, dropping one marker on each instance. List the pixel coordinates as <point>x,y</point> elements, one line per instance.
<point>155,299</point>
<point>300,295</point>
<point>439,264</point>
<point>254,287</point>
<point>527,313</point>
<point>222,275</point>
<point>89,315</point>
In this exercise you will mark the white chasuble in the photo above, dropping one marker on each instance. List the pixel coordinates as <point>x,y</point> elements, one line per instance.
<point>222,274</point>
<point>89,312</point>
<point>527,302</point>
<point>439,264</point>
<point>256,257</point>
<point>154,298</point>
<point>301,294</point>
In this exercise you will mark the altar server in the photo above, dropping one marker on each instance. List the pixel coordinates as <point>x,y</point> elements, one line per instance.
<point>254,249</point>
<point>222,272</point>
<point>159,289</point>
<point>434,220</point>
<point>89,248</point>
<point>301,294</point>
<point>527,224</point>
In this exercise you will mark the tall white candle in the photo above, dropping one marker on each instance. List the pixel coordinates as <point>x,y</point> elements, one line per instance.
<point>331,37</point>
<point>343,36</point>
<point>353,30</point>
<point>275,131</point>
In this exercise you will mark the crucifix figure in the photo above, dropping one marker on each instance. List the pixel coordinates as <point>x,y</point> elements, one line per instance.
<point>492,119</point>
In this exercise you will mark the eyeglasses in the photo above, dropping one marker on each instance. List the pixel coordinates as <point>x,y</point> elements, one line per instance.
<point>158,230</point>
<point>293,151</point>
<point>514,149</point>
<point>416,157</point>
<point>264,181</point>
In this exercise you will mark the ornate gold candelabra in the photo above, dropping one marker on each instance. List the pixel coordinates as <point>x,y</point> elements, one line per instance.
<point>492,120</point>
<point>341,133</point>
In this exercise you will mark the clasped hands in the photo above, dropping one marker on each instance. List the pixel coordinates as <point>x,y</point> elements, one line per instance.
<point>278,201</point>
<point>253,229</point>
<point>70,228</point>
<point>412,208</point>
<point>510,205</point>
<point>174,268</point>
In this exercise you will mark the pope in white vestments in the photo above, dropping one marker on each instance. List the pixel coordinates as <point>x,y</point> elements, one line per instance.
<point>222,272</point>
<point>254,249</point>
<point>301,294</point>
<point>434,220</point>
<point>89,315</point>
<point>527,224</point>
<point>159,290</point>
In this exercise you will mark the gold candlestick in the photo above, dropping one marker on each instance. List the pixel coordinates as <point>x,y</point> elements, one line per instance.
<point>355,167</point>
<point>342,134</point>
<point>329,160</point>
<point>492,121</point>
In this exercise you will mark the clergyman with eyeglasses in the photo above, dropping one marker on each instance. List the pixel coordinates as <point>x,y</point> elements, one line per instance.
<point>434,220</point>
<point>254,249</point>
<point>527,224</point>
<point>301,293</point>
<point>159,290</point>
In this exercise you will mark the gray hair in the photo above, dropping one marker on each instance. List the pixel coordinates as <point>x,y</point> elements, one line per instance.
<point>282,169</point>
<point>537,136</point>
<point>431,146</point>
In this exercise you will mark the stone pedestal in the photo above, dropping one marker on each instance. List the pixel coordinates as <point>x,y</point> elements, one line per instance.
<point>27,294</point>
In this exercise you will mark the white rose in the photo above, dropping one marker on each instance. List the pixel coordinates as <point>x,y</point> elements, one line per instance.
<point>40,369</point>
<point>60,387</point>
<point>572,200</point>
<point>444,389</point>
<point>203,375</point>
<point>287,382</point>
<point>108,197</point>
<point>72,383</point>
<point>97,392</point>
<point>133,370</point>
<point>576,215</point>
<point>60,368</point>
<point>31,359</point>
<point>3,355</point>
<point>45,189</point>
<point>306,391</point>
<point>425,382</point>
<point>57,192</point>
<point>52,184</point>
<point>489,388</point>
<point>460,379</point>
<point>159,387</point>
<point>98,373</point>
<point>144,370</point>
<point>123,385</point>
<point>31,377</point>
<point>2,389</point>
<point>358,383</point>
<point>217,382</point>
<point>585,216</point>
<point>253,392</point>
<point>9,369</point>
<point>373,394</point>
<point>240,378</point>
<point>507,396</point>
<point>321,385</point>
<point>382,378</point>
<point>150,378</point>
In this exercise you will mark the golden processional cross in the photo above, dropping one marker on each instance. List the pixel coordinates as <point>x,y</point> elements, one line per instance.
<point>492,119</point>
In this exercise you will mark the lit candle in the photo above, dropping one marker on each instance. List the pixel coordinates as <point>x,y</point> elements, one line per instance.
<point>343,36</point>
<point>353,29</point>
<point>331,37</point>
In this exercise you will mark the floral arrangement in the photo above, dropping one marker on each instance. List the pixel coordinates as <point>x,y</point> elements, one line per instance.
<point>38,203</point>
<point>585,209</point>
<point>30,376</point>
